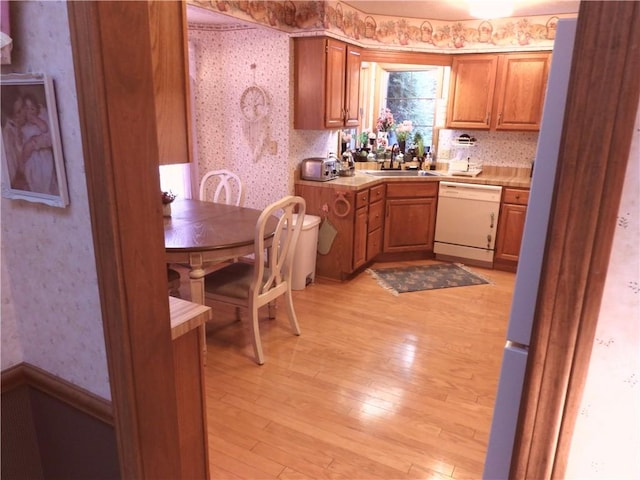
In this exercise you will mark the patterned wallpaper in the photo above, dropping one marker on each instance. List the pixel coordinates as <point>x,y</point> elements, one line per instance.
<point>224,138</point>
<point>606,440</point>
<point>50,313</point>
<point>223,70</point>
<point>340,20</point>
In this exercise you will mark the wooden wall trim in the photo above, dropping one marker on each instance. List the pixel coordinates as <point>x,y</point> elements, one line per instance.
<point>56,387</point>
<point>602,101</point>
<point>112,51</point>
<point>412,58</point>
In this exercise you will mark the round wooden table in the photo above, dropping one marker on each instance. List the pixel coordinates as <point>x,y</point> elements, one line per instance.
<point>200,233</point>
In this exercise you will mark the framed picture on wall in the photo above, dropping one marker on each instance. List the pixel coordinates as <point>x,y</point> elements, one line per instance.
<point>32,161</point>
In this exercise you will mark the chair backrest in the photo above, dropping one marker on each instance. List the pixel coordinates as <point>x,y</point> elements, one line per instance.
<point>272,269</point>
<point>225,185</point>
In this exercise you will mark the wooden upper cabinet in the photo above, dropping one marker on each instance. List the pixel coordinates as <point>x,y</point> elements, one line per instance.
<point>473,81</point>
<point>327,83</point>
<point>335,83</point>
<point>520,97</point>
<point>352,86</point>
<point>498,92</point>
<point>169,56</point>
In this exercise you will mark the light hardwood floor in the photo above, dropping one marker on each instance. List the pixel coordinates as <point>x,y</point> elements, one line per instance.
<point>376,387</point>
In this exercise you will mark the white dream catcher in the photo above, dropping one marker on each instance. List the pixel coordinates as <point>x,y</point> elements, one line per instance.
<point>255,108</point>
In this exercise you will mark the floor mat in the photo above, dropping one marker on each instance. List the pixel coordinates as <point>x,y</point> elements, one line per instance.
<point>425,277</point>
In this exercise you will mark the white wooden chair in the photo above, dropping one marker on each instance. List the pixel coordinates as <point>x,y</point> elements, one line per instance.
<point>222,186</point>
<point>253,285</point>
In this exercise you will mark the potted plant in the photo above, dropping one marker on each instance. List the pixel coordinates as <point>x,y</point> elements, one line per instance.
<point>167,199</point>
<point>419,142</point>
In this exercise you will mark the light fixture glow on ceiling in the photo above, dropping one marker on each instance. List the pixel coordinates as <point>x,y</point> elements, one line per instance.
<point>490,8</point>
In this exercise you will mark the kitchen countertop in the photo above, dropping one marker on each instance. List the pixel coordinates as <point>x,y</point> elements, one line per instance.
<point>505,177</point>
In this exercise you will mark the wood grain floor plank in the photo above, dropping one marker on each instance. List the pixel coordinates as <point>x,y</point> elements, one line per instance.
<point>344,436</point>
<point>261,463</point>
<point>376,386</point>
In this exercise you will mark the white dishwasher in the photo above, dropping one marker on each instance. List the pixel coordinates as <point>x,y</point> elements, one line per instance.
<point>466,222</point>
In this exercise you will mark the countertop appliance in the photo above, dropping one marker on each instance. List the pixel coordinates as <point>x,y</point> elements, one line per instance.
<point>466,222</point>
<point>319,169</point>
<point>514,359</point>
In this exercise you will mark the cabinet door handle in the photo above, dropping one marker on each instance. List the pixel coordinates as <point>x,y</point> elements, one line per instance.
<point>493,217</point>
<point>488,118</point>
<point>499,118</point>
<point>488,242</point>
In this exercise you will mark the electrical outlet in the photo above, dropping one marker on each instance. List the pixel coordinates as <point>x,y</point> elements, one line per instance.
<point>273,147</point>
<point>444,154</point>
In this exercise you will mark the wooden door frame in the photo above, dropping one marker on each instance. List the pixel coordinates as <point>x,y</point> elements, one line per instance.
<point>602,102</point>
<point>112,53</point>
<point>122,180</point>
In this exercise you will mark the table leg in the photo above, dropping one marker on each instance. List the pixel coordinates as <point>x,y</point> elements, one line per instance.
<point>196,281</point>
<point>196,278</point>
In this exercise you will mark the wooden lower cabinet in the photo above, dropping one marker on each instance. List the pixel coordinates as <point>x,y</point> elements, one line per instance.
<point>357,217</point>
<point>360,237</point>
<point>410,217</point>
<point>396,220</point>
<point>513,211</point>
<point>376,226</point>
<point>188,336</point>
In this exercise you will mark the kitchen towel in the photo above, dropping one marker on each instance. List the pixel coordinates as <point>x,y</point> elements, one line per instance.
<point>326,235</point>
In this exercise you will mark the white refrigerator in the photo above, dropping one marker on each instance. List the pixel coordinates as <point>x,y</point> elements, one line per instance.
<point>514,359</point>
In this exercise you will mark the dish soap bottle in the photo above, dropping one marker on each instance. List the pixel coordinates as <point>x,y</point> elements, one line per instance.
<point>428,160</point>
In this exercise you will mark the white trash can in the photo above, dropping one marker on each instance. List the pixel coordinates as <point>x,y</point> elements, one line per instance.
<point>304,258</point>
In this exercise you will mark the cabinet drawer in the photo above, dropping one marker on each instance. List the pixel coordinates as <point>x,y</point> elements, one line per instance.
<point>362,198</point>
<point>376,193</point>
<point>376,213</point>
<point>417,189</point>
<point>513,195</point>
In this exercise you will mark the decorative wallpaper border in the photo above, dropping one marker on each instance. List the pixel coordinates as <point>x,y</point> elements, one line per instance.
<point>334,18</point>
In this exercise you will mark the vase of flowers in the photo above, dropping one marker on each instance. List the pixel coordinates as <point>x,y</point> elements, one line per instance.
<point>384,125</point>
<point>345,140</point>
<point>385,121</point>
<point>167,199</point>
<point>402,133</point>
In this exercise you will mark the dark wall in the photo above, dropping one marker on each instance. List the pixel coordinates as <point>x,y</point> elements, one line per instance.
<point>20,456</point>
<point>45,438</point>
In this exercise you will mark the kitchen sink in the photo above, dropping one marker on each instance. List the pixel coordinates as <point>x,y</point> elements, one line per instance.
<point>401,173</point>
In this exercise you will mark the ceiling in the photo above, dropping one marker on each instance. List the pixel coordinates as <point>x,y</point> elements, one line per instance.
<point>448,10</point>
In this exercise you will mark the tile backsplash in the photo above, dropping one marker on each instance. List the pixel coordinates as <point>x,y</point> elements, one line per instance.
<point>500,149</point>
